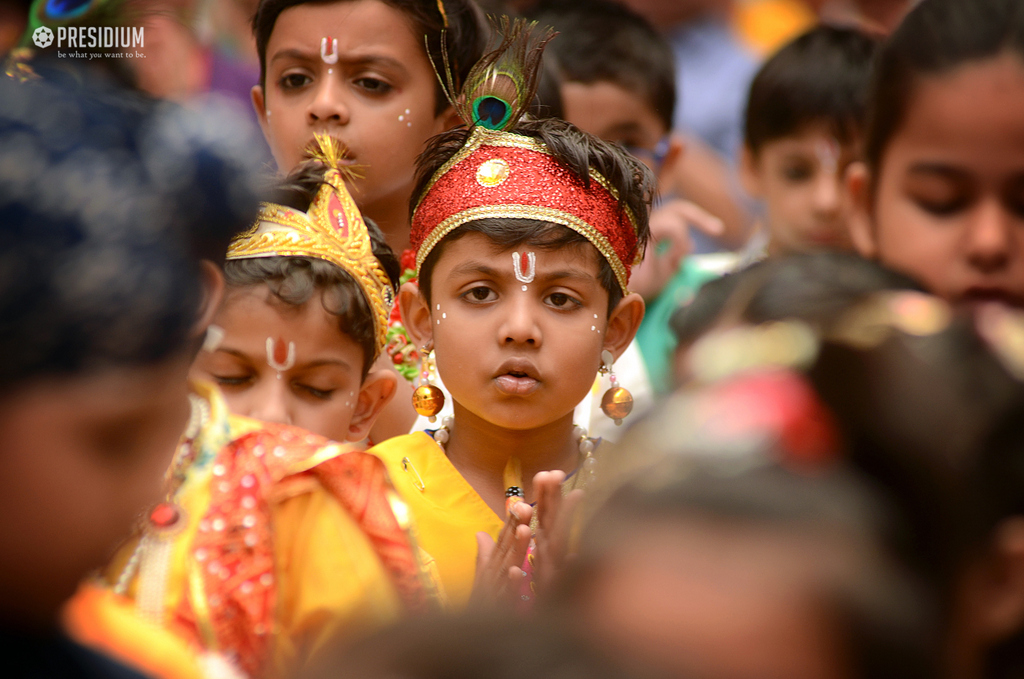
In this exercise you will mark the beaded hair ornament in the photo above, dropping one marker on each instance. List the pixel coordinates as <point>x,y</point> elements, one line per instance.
<point>500,174</point>
<point>332,230</point>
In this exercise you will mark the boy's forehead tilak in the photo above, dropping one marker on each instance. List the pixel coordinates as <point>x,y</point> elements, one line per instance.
<point>350,58</point>
<point>523,267</point>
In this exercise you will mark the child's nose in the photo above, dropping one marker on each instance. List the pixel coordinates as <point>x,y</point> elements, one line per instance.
<point>329,103</point>
<point>271,403</point>
<point>990,236</point>
<point>519,326</point>
<point>827,194</point>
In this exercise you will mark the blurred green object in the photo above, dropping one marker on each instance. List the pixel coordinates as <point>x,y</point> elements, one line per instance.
<point>655,338</point>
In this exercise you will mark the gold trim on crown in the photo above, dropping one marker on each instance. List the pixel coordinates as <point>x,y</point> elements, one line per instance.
<point>332,230</point>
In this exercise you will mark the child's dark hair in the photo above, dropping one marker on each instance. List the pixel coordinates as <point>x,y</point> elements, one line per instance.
<point>935,420</point>
<point>578,152</point>
<point>936,37</point>
<point>602,41</point>
<point>294,280</point>
<point>822,76</point>
<point>461,32</point>
<point>817,288</point>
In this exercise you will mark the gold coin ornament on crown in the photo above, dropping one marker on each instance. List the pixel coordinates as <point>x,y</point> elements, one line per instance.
<point>332,229</point>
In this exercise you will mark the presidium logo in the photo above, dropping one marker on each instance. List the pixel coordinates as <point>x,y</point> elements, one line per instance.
<point>42,37</point>
<point>89,37</point>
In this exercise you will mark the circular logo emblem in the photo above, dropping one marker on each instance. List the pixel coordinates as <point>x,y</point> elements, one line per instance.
<point>492,172</point>
<point>42,37</point>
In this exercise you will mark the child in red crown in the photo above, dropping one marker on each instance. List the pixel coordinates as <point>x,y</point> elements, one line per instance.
<point>525,232</point>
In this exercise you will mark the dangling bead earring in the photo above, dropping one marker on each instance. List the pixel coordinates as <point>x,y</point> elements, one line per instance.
<point>617,402</point>
<point>427,399</point>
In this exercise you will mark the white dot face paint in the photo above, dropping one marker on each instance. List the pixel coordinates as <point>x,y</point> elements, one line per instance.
<point>278,357</point>
<point>525,288</point>
<point>330,71</point>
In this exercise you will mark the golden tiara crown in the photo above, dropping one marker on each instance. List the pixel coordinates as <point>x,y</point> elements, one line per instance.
<point>332,230</point>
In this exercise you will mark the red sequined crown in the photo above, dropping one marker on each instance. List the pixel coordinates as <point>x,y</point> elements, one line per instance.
<point>509,176</point>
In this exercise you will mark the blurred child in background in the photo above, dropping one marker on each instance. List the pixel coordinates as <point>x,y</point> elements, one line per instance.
<point>619,84</point>
<point>804,125</point>
<point>102,310</point>
<point>941,190</point>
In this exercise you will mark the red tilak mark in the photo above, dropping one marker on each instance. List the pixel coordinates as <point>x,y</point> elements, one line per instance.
<point>524,261</point>
<point>280,352</point>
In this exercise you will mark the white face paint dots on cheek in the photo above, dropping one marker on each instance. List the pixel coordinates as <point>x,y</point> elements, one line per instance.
<point>405,118</point>
<point>594,326</point>
<point>527,262</point>
<point>279,357</point>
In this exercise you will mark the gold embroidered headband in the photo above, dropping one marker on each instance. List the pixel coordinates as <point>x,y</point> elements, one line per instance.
<point>332,230</point>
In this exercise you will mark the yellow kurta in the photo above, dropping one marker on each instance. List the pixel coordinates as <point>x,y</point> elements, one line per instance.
<point>328,577</point>
<point>447,512</point>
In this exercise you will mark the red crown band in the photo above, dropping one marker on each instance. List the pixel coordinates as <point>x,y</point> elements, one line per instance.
<point>504,175</point>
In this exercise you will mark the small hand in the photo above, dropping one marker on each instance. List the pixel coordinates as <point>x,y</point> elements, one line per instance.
<point>498,564</point>
<point>670,243</point>
<point>555,515</point>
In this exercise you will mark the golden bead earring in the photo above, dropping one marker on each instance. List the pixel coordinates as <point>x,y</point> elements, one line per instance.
<point>617,402</point>
<point>427,399</point>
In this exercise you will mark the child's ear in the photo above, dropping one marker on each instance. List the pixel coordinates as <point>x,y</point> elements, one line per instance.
<point>213,295</point>
<point>259,104</point>
<point>858,193</point>
<point>750,175</point>
<point>446,120</point>
<point>676,151</point>
<point>378,388</point>
<point>415,314</point>
<point>623,322</point>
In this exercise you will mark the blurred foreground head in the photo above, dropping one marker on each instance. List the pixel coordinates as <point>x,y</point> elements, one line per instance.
<point>924,406</point>
<point>471,646</point>
<point>108,207</point>
<point>745,548</point>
